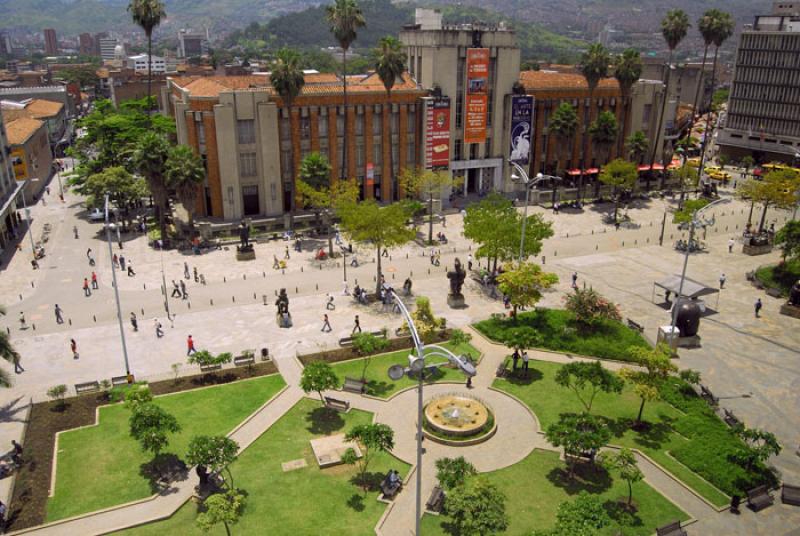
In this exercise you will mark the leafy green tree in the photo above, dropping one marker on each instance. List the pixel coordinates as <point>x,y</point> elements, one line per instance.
<point>522,338</point>
<point>428,185</point>
<point>624,461</point>
<point>590,307</point>
<point>318,376</point>
<point>685,214</point>
<point>779,189</point>
<point>788,238</point>
<point>225,508</point>
<point>454,472</point>
<point>690,376</point>
<point>382,227</point>
<point>594,67</point>
<point>137,394</point>
<point>577,434</point>
<point>477,508</point>
<point>627,71</point>
<point>758,446</point>
<point>185,175</point>
<point>150,426</point>
<point>215,453</point>
<point>524,284</point>
<point>723,161</point>
<point>83,75</point>
<point>345,18</point>
<point>367,345</point>
<point>621,175</point>
<point>57,393</point>
<point>603,132</point>
<point>315,171</point>
<point>586,379</point>
<point>390,64</point>
<point>655,366</point>
<point>372,438</point>
<point>688,177</point>
<point>585,516</point>
<point>147,14</point>
<point>563,124</point>
<point>7,352</point>
<point>204,358</point>
<point>150,160</point>
<point>637,144</point>
<point>459,337</point>
<point>124,190</point>
<point>428,326</point>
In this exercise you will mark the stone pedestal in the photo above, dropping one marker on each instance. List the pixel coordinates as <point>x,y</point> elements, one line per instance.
<point>790,310</point>
<point>747,249</point>
<point>456,301</point>
<point>284,320</point>
<point>245,253</point>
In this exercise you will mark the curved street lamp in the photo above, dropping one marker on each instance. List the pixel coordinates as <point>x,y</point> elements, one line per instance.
<point>522,176</point>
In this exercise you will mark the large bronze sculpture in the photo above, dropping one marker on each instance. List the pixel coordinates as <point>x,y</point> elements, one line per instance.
<point>456,276</point>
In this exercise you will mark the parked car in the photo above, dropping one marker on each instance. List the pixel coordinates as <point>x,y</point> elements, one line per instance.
<point>97,215</point>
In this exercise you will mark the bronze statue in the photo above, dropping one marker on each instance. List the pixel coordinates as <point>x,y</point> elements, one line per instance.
<point>282,302</point>
<point>456,277</point>
<point>794,294</point>
<point>244,235</point>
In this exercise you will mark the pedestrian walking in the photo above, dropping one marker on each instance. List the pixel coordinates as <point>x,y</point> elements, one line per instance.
<point>122,262</point>
<point>86,290</point>
<point>202,279</point>
<point>17,366</point>
<point>22,324</point>
<point>731,243</point>
<point>758,307</point>
<point>469,262</point>
<point>438,259</point>
<point>196,278</point>
<point>134,321</point>
<point>525,360</point>
<point>433,255</point>
<point>73,347</point>
<point>190,349</point>
<point>357,326</point>
<point>89,253</point>
<point>330,306</point>
<point>514,360</point>
<point>574,279</point>
<point>346,289</point>
<point>159,331</point>
<point>131,273</point>
<point>286,253</point>
<point>176,290</point>
<point>326,325</point>
<point>722,280</point>
<point>91,261</point>
<point>59,318</point>
<point>94,281</point>
<point>183,294</point>
<point>75,231</point>
<point>186,270</point>
<point>16,452</point>
<point>115,260</point>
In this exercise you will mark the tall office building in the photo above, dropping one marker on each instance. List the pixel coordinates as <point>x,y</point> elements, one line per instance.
<point>50,42</point>
<point>763,118</point>
<point>86,44</point>
<point>107,46</point>
<point>191,44</point>
<point>5,43</point>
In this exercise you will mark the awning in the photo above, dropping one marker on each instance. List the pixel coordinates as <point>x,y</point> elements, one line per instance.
<point>9,200</point>
<point>658,167</point>
<point>574,172</point>
<point>589,171</point>
<point>644,167</point>
<point>675,164</point>
<point>691,288</point>
<point>592,171</point>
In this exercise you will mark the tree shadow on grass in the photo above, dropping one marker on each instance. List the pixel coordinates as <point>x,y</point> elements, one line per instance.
<point>379,388</point>
<point>324,421</point>
<point>650,435</point>
<point>356,502</point>
<point>588,477</point>
<point>370,481</point>
<point>519,378</point>
<point>622,514</point>
<point>162,470</point>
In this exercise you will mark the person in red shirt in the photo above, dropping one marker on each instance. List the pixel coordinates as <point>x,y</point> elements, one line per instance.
<point>86,290</point>
<point>190,349</point>
<point>94,281</point>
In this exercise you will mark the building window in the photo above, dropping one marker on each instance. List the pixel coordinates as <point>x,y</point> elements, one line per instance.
<point>286,129</point>
<point>360,125</point>
<point>377,123</point>
<point>273,191</point>
<point>410,156</point>
<point>250,200</point>
<point>247,165</point>
<point>245,131</point>
<point>377,153</point>
<point>359,155</point>
<point>488,148</point>
<point>457,149</point>
<point>305,128</point>
<point>323,126</point>
<point>459,107</point>
<point>412,122</point>
<point>340,125</point>
<point>201,132</point>
<point>286,164</point>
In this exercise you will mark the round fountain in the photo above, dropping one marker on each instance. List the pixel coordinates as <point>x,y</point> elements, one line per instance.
<point>458,420</point>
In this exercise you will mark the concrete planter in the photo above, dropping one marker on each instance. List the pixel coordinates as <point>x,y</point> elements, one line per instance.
<point>756,250</point>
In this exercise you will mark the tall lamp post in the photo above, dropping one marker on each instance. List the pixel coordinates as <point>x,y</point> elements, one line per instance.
<point>522,176</point>
<point>116,295</point>
<point>28,216</point>
<point>417,367</point>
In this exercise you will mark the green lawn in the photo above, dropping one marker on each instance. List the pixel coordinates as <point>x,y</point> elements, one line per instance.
<point>704,442</point>
<point>304,501</point>
<point>557,330</point>
<point>378,381</point>
<point>102,466</point>
<point>781,276</point>
<point>537,485</point>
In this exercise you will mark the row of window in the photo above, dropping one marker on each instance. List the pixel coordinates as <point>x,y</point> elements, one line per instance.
<point>790,42</point>
<point>788,59</point>
<point>758,122</point>
<point>779,77</point>
<point>782,94</point>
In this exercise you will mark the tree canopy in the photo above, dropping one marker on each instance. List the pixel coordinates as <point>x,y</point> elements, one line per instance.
<point>586,379</point>
<point>318,376</point>
<point>477,507</point>
<point>150,426</point>
<point>524,284</point>
<point>655,366</point>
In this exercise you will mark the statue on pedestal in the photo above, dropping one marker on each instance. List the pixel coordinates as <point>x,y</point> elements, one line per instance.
<point>794,294</point>
<point>455,298</point>
<point>284,317</point>
<point>244,236</point>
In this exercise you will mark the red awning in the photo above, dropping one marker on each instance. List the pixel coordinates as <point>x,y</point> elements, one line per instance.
<point>757,172</point>
<point>676,163</point>
<point>574,172</point>
<point>589,171</point>
<point>658,167</point>
<point>592,170</point>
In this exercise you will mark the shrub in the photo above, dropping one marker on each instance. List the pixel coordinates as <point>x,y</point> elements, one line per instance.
<point>453,472</point>
<point>589,307</point>
<point>57,393</point>
<point>204,358</point>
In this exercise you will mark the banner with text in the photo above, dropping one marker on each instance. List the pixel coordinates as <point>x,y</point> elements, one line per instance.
<point>437,133</point>
<point>477,97</point>
<point>521,128</point>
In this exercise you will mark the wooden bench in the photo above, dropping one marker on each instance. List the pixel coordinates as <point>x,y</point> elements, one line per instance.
<point>635,325</point>
<point>759,498</point>
<point>502,370</point>
<point>671,529</point>
<point>210,368</point>
<point>116,381</point>
<point>706,393</point>
<point>336,404</point>
<point>348,341</point>
<point>436,500</point>
<point>87,387</point>
<point>248,360</point>
<point>790,495</point>
<point>352,385</point>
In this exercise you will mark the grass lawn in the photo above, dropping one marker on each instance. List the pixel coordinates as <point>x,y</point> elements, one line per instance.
<point>538,484</point>
<point>378,381</point>
<point>103,466</point>
<point>781,276</point>
<point>556,329</point>
<point>305,501</point>
<point>547,400</point>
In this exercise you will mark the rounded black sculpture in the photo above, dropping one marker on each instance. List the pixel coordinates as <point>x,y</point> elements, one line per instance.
<point>455,298</point>
<point>688,317</point>
<point>794,294</point>
<point>283,316</point>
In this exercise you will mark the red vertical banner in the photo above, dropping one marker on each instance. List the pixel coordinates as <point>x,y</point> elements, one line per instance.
<point>477,96</point>
<point>437,133</point>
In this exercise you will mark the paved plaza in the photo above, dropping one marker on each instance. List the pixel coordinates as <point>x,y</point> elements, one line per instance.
<point>752,364</point>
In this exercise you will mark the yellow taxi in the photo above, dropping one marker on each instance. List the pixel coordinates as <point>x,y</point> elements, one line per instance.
<point>719,175</point>
<point>712,169</point>
<point>694,162</point>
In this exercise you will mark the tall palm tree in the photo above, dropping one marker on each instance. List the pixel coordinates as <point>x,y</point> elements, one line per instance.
<point>627,70</point>
<point>390,64</point>
<point>147,14</point>
<point>7,352</point>
<point>149,160</point>
<point>594,67</point>
<point>287,79</point>
<point>603,131</point>
<point>345,17</point>
<point>706,25</point>
<point>638,145</point>
<point>185,174</point>
<point>674,27</point>
<point>563,124</point>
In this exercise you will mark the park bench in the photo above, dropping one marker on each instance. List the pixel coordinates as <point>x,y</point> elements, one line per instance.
<point>248,360</point>
<point>790,495</point>
<point>436,500</point>
<point>390,489</point>
<point>348,341</point>
<point>730,419</point>
<point>210,368</point>
<point>706,393</point>
<point>502,370</point>
<point>635,326</point>
<point>336,404</point>
<point>759,498</point>
<point>352,385</point>
<point>116,381</point>
<point>87,387</point>
<point>671,529</point>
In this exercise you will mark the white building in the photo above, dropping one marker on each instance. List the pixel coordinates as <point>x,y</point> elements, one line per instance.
<point>139,64</point>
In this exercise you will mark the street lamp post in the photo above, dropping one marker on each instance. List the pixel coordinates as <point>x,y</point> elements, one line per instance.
<point>529,183</point>
<point>28,216</point>
<point>116,295</point>
<point>418,367</point>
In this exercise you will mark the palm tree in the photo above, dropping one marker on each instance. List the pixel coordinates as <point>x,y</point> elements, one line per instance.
<point>603,131</point>
<point>345,17</point>
<point>7,352</point>
<point>637,144</point>
<point>185,174</point>
<point>674,28</point>
<point>563,124</point>
<point>147,14</point>
<point>594,67</point>
<point>287,79</point>
<point>627,70</point>
<point>706,25</point>
<point>390,64</point>
<point>150,159</point>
